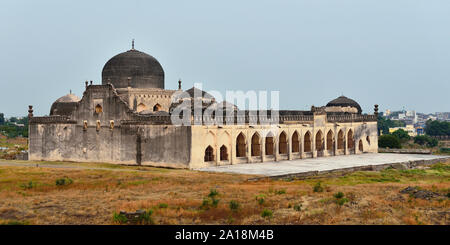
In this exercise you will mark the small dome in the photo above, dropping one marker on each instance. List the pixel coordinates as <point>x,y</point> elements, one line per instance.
<point>143,69</point>
<point>65,105</point>
<point>343,101</point>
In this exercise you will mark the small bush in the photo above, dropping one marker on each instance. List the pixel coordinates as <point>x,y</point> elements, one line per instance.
<point>64,181</point>
<point>389,141</point>
<point>280,192</point>
<point>234,205</point>
<point>119,218</point>
<point>146,218</point>
<point>163,205</point>
<point>213,193</point>
<point>266,213</point>
<point>341,201</point>
<point>206,203</point>
<point>260,199</point>
<point>339,195</point>
<point>298,207</point>
<point>28,185</point>
<point>318,187</point>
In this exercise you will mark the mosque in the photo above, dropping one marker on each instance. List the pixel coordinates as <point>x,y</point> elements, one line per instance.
<point>128,119</point>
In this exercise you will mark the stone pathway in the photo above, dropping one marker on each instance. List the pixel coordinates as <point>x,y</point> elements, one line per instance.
<point>319,164</point>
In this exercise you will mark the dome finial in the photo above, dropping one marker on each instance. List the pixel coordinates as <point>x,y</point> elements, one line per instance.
<point>132,44</point>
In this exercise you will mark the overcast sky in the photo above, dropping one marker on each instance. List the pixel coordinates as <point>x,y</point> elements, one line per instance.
<point>395,53</point>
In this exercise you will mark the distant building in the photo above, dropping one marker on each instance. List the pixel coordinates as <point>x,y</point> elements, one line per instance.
<point>409,128</point>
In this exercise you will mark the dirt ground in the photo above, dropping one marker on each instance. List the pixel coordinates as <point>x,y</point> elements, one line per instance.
<point>31,195</point>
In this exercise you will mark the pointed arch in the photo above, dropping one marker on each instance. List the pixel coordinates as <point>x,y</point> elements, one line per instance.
<point>256,145</point>
<point>98,109</point>
<point>307,142</point>
<point>295,142</point>
<point>223,153</point>
<point>350,140</point>
<point>360,146</point>
<point>209,154</point>
<point>157,107</point>
<point>269,144</point>
<point>319,141</point>
<point>282,143</point>
<point>141,107</point>
<point>330,141</point>
<point>240,145</point>
<point>340,142</point>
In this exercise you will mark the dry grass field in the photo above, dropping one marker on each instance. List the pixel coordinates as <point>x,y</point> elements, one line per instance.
<point>67,195</point>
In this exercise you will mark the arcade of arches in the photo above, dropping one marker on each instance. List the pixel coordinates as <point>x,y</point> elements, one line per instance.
<point>250,147</point>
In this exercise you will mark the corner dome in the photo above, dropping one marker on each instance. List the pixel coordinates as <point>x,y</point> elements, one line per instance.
<point>65,105</point>
<point>343,101</point>
<point>143,70</point>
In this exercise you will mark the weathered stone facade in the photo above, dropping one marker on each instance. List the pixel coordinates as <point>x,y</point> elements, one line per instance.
<point>132,125</point>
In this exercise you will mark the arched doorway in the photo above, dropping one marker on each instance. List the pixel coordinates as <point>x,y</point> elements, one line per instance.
<point>350,141</point>
<point>330,140</point>
<point>256,146</point>
<point>98,109</point>
<point>360,146</point>
<point>340,142</point>
<point>141,107</point>
<point>295,142</point>
<point>269,144</point>
<point>307,142</point>
<point>240,146</point>
<point>282,145</point>
<point>319,141</point>
<point>157,107</point>
<point>209,154</point>
<point>223,153</point>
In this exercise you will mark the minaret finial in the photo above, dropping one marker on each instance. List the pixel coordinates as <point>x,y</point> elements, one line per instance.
<point>179,84</point>
<point>132,44</point>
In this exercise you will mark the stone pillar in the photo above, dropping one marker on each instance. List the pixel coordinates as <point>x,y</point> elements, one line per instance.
<point>302,144</point>
<point>263,149</point>
<point>289,142</point>
<point>276,148</point>
<point>313,144</point>
<point>346,151</point>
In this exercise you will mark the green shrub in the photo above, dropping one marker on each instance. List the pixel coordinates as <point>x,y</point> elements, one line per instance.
<point>146,218</point>
<point>280,192</point>
<point>426,140</point>
<point>260,199</point>
<point>119,218</point>
<point>64,181</point>
<point>213,193</point>
<point>234,205</point>
<point>389,141</point>
<point>298,207</point>
<point>341,201</point>
<point>318,187</point>
<point>339,195</point>
<point>206,203</point>
<point>402,135</point>
<point>28,185</point>
<point>266,213</point>
<point>163,205</point>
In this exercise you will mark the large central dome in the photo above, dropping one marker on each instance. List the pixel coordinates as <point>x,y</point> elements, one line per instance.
<point>143,69</point>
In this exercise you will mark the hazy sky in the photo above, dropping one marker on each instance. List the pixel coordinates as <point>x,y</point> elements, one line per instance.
<point>392,52</point>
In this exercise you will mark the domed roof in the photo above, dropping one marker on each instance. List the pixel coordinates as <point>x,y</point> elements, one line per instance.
<point>143,69</point>
<point>64,105</point>
<point>343,101</point>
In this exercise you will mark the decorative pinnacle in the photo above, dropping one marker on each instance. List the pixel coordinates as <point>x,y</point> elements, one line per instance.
<point>179,84</point>
<point>132,44</point>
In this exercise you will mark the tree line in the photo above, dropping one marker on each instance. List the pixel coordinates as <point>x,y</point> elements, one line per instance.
<point>13,127</point>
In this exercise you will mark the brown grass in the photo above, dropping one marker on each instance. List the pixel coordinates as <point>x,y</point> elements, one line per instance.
<point>94,195</point>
